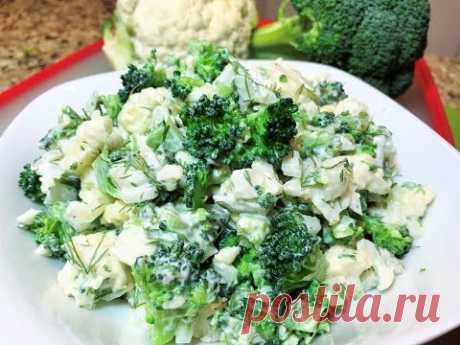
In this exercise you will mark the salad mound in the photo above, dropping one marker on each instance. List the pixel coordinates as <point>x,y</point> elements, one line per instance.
<point>202,180</point>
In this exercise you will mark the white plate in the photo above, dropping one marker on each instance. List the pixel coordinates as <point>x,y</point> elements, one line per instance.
<point>34,311</point>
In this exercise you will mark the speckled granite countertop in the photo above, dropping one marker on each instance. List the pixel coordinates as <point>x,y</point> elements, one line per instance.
<point>35,33</point>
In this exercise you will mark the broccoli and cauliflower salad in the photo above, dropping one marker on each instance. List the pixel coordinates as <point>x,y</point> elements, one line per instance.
<point>203,180</point>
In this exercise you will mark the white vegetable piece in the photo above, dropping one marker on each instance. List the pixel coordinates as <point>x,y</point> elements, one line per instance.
<point>170,26</point>
<point>239,192</point>
<point>80,214</point>
<point>406,204</point>
<point>81,150</point>
<point>227,255</point>
<point>116,213</point>
<point>144,110</point>
<point>131,244</point>
<point>27,217</point>
<point>292,165</point>
<point>95,274</point>
<point>253,226</point>
<point>170,175</point>
<point>133,185</point>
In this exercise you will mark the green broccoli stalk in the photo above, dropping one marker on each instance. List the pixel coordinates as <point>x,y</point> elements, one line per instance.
<point>395,239</point>
<point>376,40</point>
<point>30,183</point>
<point>196,184</point>
<point>290,254</point>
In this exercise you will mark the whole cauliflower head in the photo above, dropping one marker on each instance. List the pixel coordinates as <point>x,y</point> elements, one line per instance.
<point>138,26</point>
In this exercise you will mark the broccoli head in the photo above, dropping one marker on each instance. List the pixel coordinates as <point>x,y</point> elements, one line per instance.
<point>290,254</point>
<point>210,60</point>
<point>181,86</point>
<point>138,78</point>
<point>271,130</point>
<point>30,183</point>
<point>395,239</point>
<point>173,288</point>
<point>377,40</point>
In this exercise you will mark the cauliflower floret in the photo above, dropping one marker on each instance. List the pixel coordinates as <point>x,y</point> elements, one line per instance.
<point>96,275</point>
<point>406,205</point>
<point>351,106</point>
<point>82,149</point>
<point>367,176</point>
<point>133,186</point>
<point>170,175</point>
<point>145,110</point>
<point>292,165</point>
<point>352,266</point>
<point>131,244</point>
<point>90,192</point>
<point>116,213</point>
<point>227,255</point>
<point>49,169</point>
<point>80,214</point>
<point>169,26</point>
<point>239,191</point>
<point>253,226</point>
<point>153,159</point>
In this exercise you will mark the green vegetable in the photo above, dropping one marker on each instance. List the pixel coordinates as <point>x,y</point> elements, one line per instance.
<point>290,253</point>
<point>109,105</point>
<point>30,183</point>
<point>50,231</point>
<point>396,240</point>
<point>103,179</point>
<point>376,40</point>
<point>181,86</point>
<point>196,184</point>
<point>211,60</point>
<point>139,78</point>
<point>174,272</point>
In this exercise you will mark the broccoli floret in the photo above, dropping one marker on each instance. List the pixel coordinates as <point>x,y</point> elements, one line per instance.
<point>395,239</point>
<point>330,92</point>
<point>290,254</point>
<point>377,40</point>
<point>265,199</point>
<point>30,183</point>
<point>217,130</point>
<point>50,231</point>
<point>181,86</point>
<point>173,275</point>
<point>210,60</point>
<point>271,129</point>
<point>139,78</point>
<point>323,119</point>
<point>196,184</point>
<point>213,128</point>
